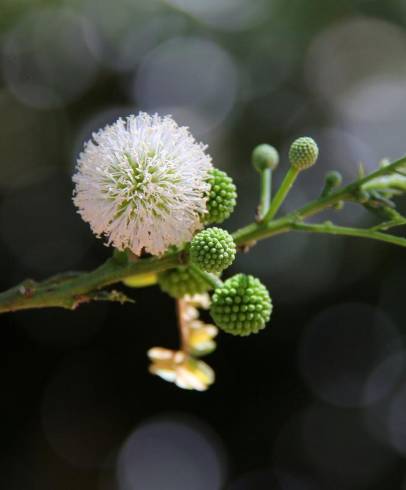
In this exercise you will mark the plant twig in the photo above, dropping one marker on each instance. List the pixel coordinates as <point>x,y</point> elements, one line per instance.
<point>67,290</point>
<point>386,225</point>
<point>330,228</point>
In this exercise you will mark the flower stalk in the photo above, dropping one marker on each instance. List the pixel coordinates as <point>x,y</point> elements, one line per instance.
<point>265,193</point>
<point>282,193</point>
<point>210,278</point>
<point>183,327</point>
<point>331,229</point>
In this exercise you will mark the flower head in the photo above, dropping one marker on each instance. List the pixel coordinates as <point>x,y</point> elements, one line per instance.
<point>241,306</point>
<point>213,249</point>
<point>143,182</point>
<point>181,281</point>
<point>303,153</point>
<point>222,197</point>
<point>265,156</point>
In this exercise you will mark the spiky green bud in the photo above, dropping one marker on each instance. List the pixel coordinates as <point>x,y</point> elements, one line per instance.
<point>241,306</point>
<point>222,197</point>
<point>180,281</point>
<point>213,250</point>
<point>265,156</point>
<point>303,153</point>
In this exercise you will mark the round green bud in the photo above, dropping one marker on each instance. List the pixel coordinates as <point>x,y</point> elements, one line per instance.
<point>303,153</point>
<point>213,250</point>
<point>265,156</point>
<point>222,197</point>
<point>334,179</point>
<point>241,306</point>
<point>180,281</point>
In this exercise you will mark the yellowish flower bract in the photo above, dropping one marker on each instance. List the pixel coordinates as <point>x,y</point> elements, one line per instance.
<point>176,367</point>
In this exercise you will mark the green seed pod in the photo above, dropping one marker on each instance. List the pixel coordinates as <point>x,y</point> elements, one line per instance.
<point>265,156</point>
<point>222,197</point>
<point>303,153</point>
<point>180,281</point>
<point>241,306</point>
<point>213,250</point>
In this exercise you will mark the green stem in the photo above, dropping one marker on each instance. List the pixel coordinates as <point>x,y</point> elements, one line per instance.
<point>260,231</point>
<point>266,192</point>
<point>332,229</point>
<point>347,193</point>
<point>73,291</point>
<point>386,225</point>
<point>69,290</point>
<point>211,279</point>
<point>283,191</point>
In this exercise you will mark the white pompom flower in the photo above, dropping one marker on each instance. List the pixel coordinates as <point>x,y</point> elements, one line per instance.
<point>142,183</point>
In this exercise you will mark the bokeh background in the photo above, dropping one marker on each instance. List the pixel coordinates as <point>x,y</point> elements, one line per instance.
<point>318,400</point>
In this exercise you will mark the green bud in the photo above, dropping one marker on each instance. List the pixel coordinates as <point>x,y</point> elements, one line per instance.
<point>241,306</point>
<point>180,281</point>
<point>213,250</point>
<point>222,197</point>
<point>333,179</point>
<point>265,156</point>
<point>303,153</point>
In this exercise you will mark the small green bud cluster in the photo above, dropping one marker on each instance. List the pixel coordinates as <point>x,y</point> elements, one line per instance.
<point>265,156</point>
<point>180,281</point>
<point>213,250</point>
<point>222,197</point>
<point>241,306</point>
<point>303,153</point>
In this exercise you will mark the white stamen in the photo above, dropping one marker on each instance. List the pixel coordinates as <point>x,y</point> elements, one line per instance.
<point>142,183</point>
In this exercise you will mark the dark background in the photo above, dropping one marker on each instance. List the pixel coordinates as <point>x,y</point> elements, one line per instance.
<point>317,400</point>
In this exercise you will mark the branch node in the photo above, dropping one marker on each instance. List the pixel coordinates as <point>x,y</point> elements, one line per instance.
<point>245,247</point>
<point>183,257</point>
<point>26,289</point>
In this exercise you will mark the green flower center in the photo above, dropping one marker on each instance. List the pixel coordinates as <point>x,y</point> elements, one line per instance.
<point>142,183</point>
